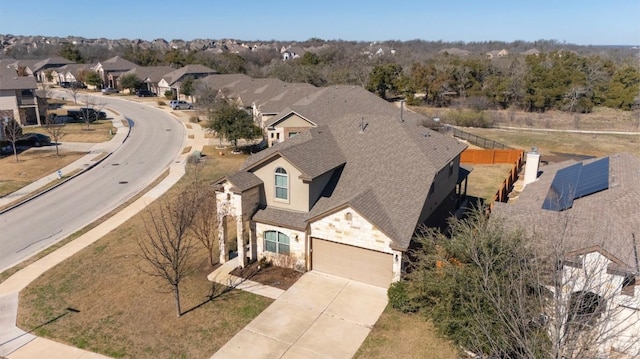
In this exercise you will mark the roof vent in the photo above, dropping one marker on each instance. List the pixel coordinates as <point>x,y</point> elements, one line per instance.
<point>362,126</point>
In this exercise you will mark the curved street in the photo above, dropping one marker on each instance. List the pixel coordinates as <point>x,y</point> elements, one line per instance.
<point>155,140</point>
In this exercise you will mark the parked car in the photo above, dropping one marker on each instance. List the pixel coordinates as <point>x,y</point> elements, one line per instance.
<point>179,105</point>
<point>65,84</point>
<point>78,85</point>
<point>78,115</point>
<point>109,90</point>
<point>64,119</point>
<point>145,93</point>
<point>33,140</point>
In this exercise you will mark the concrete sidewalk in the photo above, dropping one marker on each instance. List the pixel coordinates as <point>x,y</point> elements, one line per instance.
<point>221,275</point>
<point>14,342</point>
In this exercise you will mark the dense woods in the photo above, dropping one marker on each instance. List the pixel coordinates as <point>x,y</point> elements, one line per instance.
<point>530,76</point>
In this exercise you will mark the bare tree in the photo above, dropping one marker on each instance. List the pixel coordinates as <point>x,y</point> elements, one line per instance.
<point>167,248</point>
<point>12,131</point>
<point>55,129</point>
<point>205,222</point>
<point>91,109</point>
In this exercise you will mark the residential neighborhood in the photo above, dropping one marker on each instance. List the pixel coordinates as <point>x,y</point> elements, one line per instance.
<point>201,212</point>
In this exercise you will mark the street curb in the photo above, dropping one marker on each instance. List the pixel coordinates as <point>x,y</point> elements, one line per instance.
<point>38,194</point>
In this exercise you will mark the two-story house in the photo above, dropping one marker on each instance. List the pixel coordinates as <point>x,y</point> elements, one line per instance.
<point>172,81</point>
<point>18,98</point>
<point>344,197</point>
<point>111,69</point>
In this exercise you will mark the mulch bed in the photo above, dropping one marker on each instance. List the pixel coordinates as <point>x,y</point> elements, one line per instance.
<point>270,275</point>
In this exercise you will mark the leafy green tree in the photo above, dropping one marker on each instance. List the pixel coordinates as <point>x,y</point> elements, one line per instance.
<point>623,88</point>
<point>310,58</point>
<point>131,82</point>
<point>232,123</point>
<point>92,78</point>
<point>187,87</point>
<point>384,78</point>
<point>71,52</point>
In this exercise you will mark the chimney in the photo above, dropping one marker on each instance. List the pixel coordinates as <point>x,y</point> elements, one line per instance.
<point>531,166</point>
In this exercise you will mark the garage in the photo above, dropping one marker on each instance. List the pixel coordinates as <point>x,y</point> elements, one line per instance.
<point>351,262</point>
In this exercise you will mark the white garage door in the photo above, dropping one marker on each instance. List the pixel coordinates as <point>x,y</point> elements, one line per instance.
<point>351,262</point>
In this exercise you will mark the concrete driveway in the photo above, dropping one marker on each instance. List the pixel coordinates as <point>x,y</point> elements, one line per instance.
<point>320,316</point>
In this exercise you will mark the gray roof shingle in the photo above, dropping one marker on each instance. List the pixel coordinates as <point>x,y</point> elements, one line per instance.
<point>609,219</point>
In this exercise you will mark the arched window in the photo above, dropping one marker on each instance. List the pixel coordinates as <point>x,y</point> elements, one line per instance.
<point>276,242</point>
<point>282,184</point>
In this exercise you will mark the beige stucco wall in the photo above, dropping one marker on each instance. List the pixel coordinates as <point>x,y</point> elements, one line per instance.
<point>298,190</point>
<point>297,247</point>
<point>358,232</point>
<point>444,185</point>
<point>8,101</point>
<point>317,186</point>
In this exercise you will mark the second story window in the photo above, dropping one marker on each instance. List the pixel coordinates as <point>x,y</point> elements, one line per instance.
<point>282,184</point>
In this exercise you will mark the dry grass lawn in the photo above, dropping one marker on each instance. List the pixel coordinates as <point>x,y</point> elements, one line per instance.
<point>407,336</point>
<point>32,165</point>
<point>571,143</point>
<point>77,132</point>
<point>124,312</point>
<point>485,180</point>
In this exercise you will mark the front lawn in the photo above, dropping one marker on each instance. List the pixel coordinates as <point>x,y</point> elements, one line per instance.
<point>103,302</point>
<point>407,336</point>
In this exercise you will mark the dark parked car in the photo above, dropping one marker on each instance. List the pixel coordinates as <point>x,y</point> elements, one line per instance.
<point>145,93</point>
<point>93,115</point>
<point>78,85</point>
<point>65,84</point>
<point>33,140</point>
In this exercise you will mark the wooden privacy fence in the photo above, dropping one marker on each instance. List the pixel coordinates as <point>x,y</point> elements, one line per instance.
<point>516,157</point>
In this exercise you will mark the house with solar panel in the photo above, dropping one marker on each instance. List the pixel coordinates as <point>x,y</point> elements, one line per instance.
<point>345,195</point>
<point>587,214</point>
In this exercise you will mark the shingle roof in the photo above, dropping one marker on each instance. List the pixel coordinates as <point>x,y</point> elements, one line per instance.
<point>279,217</point>
<point>117,63</point>
<point>177,75</point>
<point>243,181</point>
<point>608,219</point>
<point>150,73</point>
<point>55,61</point>
<point>384,171</point>
<point>9,80</point>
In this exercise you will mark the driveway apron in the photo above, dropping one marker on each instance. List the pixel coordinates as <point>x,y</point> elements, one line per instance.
<point>320,316</point>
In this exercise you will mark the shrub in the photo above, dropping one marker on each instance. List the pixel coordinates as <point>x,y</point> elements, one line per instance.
<point>169,95</point>
<point>399,297</point>
<point>194,119</point>
<point>468,119</point>
<point>161,103</point>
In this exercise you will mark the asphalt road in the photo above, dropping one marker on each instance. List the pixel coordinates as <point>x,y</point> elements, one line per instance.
<point>154,142</point>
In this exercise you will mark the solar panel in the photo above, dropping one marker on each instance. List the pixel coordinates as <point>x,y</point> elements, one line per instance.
<point>563,188</point>
<point>594,177</point>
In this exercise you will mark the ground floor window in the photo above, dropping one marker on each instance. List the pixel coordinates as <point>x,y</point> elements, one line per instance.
<point>276,242</point>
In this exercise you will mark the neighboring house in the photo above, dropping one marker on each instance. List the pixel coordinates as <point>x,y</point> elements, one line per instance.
<point>40,68</point>
<point>497,54</point>
<point>111,69</point>
<point>173,80</point>
<point>18,98</point>
<point>292,52</point>
<point>345,197</point>
<point>70,72</point>
<point>588,213</point>
<point>150,75</point>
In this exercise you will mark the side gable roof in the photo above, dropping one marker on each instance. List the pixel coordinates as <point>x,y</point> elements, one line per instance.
<point>149,73</point>
<point>55,61</point>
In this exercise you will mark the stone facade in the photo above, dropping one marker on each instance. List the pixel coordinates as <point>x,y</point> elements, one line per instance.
<point>298,244</point>
<point>348,227</point>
